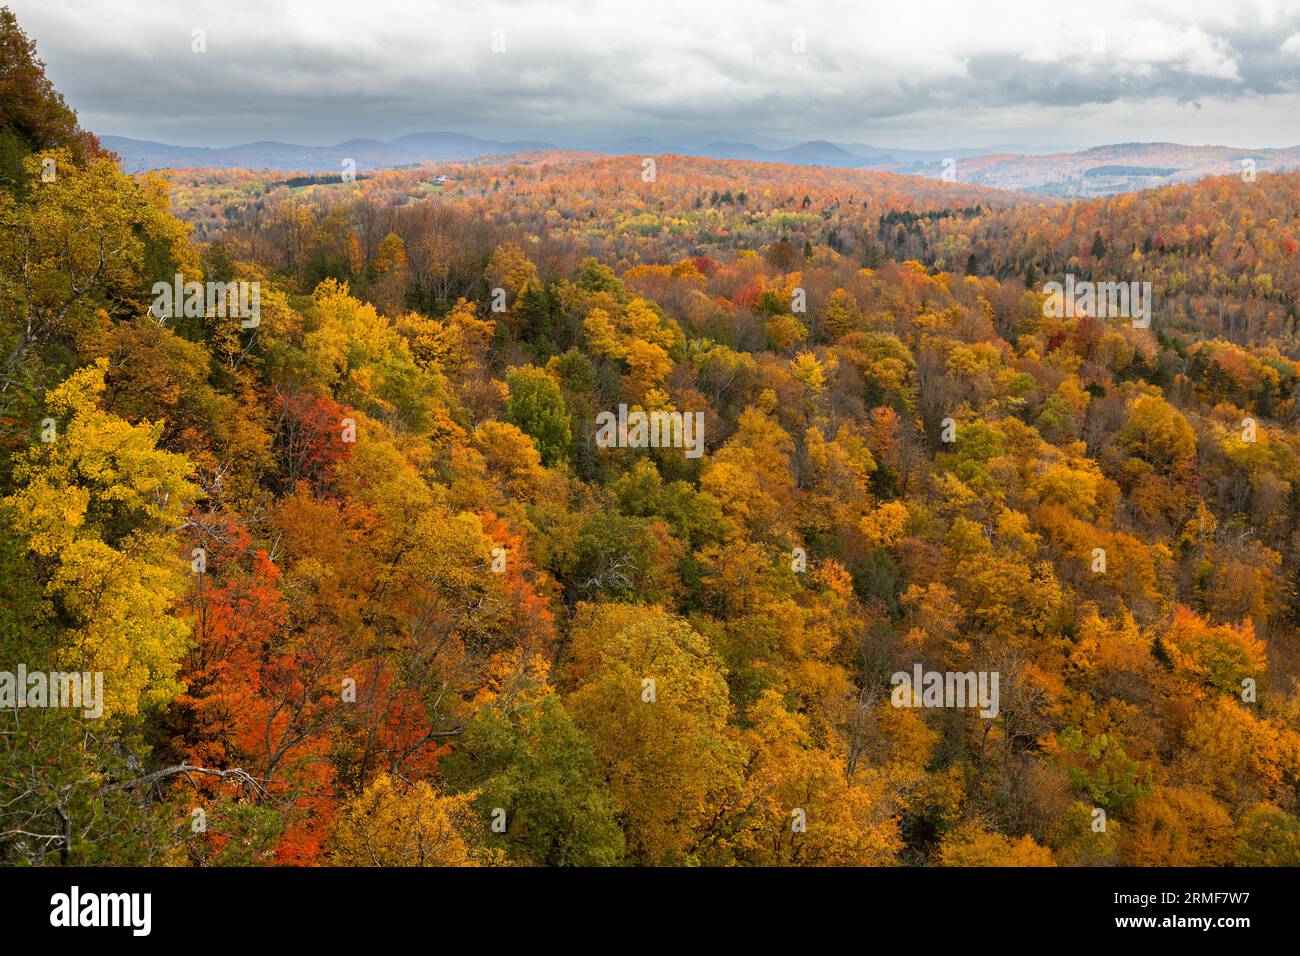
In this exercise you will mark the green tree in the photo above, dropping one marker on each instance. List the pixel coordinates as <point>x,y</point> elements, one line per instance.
<point>537,766</point>
<point>536,407</point>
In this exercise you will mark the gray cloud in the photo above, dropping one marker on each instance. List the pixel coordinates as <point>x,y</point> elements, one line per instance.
<point>927,74</point>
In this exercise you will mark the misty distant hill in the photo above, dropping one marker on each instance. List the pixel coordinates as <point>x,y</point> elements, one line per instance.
<point>138,155</point>
<point>1098,171</point>
<point>1107,170</point>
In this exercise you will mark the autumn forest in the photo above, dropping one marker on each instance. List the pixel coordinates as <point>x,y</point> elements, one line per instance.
<point>567,509</point>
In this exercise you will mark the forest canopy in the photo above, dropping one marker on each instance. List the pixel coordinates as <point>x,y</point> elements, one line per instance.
<point>365,587</point>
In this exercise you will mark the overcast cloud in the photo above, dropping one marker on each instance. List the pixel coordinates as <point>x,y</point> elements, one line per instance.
<point>924,74</point>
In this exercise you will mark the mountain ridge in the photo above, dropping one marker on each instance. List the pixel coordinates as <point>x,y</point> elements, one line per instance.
<point>1093,171</point>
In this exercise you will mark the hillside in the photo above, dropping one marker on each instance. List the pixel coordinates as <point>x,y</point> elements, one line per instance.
<point>574,511</point>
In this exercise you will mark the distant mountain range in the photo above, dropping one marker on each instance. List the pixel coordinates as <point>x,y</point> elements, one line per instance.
<point>1106,170</point>
<point>139,155</point>
<point>1099,171</point>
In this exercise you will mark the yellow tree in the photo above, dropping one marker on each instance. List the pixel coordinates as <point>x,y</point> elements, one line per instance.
<point>391,275</point>
<point>80,240</point>
<point>799,806</point>
<point>751,477</point>
<point>1212,657</point>
<point>410,824</point>
<point>652,700</point>
<point>98,504</point>
<point>971,845</point>
<point>1178,827</point>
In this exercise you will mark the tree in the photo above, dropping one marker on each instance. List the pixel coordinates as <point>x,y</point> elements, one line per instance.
<point>98,506</point>
<point>536,766</point>
<point>973,846</point>
<point>81,243</point>
<point>840,315</point>
<point>1213,658</point>
<point>409,824</point>
<point>391,275</point>
<point>537,406</point>
<point>652,700</point>
<point>509,269</point>
<point>33,115</point>
<point>799,807</point>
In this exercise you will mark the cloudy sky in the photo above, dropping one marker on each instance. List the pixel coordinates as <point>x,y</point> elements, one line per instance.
<point>924,73</point>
